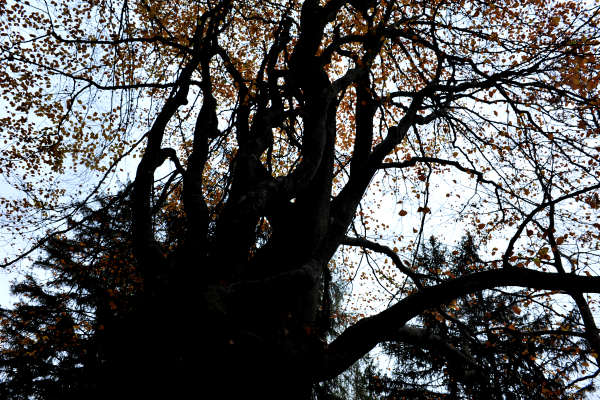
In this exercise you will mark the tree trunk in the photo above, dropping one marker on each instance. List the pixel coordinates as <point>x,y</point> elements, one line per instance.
<point>257,347</point>
<point>195,340</point>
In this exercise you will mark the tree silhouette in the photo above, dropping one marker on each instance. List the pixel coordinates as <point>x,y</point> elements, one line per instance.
<point>274,143</point>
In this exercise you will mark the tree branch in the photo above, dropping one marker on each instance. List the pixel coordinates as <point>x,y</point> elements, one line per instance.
<point>379,248</point>
<point>359,339</point>
<point>414,160</point>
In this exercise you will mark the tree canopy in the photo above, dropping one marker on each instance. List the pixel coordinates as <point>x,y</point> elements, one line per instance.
<point>272,151</point>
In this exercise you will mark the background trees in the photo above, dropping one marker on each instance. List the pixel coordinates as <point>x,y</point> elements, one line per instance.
<point>267,135</point>
<point>62,339</point>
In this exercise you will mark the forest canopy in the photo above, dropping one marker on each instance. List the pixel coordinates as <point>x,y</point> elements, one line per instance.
<point>211,176</point>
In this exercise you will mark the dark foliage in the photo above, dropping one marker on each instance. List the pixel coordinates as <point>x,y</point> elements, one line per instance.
<point>65,336</point>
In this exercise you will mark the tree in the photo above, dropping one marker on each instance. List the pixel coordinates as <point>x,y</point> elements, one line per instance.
<point>65,339</point>
<point>290,128</point>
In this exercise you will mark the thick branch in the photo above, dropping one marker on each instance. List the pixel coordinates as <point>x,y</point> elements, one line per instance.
<point>146,249</point>
<point>360,338</point>
<point>145,244</point>
<point>206,127</point>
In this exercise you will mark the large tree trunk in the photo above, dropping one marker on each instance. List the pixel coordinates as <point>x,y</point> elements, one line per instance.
<point>214,352</point>
<point>258,345</point>
<point>194,339</point>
